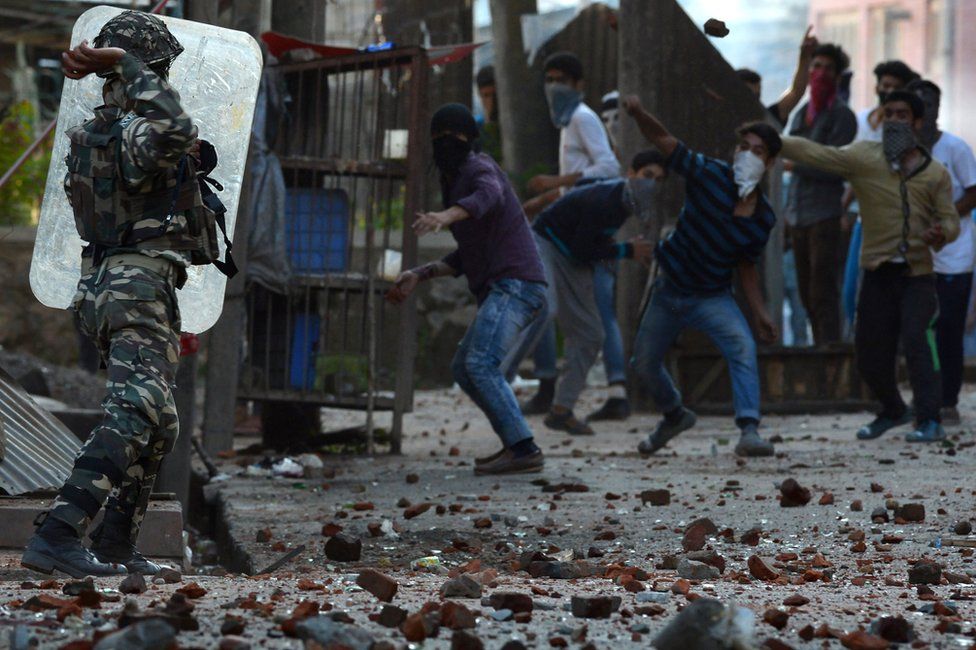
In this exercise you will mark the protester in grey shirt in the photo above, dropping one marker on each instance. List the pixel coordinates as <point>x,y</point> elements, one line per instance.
<point>815,196</point>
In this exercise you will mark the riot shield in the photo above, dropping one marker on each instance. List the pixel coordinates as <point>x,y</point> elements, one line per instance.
<point>217,77</point>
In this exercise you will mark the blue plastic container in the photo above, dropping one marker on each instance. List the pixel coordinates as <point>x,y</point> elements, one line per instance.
<point>317,226</point>
<point>304,348</point>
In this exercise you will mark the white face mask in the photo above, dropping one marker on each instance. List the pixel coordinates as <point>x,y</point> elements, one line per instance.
<point>748,169</point>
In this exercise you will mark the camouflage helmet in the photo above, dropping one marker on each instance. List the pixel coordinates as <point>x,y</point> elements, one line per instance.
<point>144,36</point>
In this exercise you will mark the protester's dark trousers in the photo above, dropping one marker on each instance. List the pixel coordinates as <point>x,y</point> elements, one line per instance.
<point>950,328</point>
<point>895,307</point>
<point>818,250</point>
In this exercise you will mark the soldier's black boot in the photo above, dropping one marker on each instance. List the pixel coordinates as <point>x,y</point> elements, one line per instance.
<point>111,542</point>
<point>55,545</point>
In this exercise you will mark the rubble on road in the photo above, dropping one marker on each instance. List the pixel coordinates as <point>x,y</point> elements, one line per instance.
<point>602,550</point>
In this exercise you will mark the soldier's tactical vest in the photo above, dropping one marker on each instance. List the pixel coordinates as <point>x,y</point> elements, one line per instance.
<point>175,210</point>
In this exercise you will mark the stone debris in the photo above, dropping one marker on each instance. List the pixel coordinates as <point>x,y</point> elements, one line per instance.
<point>151,634</point>
<point>716,28</point>
<point>328,633</point>
<point>696,534</point>
<point>708,623</point>
<point>910,512</point>
<point>344,548</point>
<point>463,586</point>
<point>511,600</point>
<point>170,576</point>
<point>656,497</point>
<point>894,629</point>
<point>693,570</point>
<point>925,572</point>
<point>760,569</point>
<point>634,561</point>
<point>594,606</point>
<point>380,585</point>
<point>462,640</point>
<point>133,583</point>
<point>792,494</point>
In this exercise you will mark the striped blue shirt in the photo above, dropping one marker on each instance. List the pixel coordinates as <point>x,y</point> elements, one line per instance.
<point>708,242</point>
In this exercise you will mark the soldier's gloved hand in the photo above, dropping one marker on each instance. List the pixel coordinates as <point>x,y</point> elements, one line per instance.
<point>81,61</point>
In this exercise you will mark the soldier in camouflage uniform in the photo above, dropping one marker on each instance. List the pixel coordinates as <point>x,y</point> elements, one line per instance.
<point>125,181</point>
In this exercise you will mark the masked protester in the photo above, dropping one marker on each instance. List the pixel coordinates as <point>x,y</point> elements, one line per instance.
<point>136,197</point>
<point>694,290</point>
<point>813,207</point>
<point>500,259</point>
<point>955,262</point>
<point>890,76</point>
<point>906,212</point>
<point>780,111</point>
<point>584,152</point>
<point>575,236</point>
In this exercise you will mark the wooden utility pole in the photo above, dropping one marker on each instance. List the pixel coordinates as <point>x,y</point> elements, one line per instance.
<point>227,336</point>
<point>174,475</point>
<point>204,11</point>
<point>522,110</point>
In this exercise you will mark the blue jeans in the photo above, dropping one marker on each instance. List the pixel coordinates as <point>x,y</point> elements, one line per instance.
<point>718,317</point>
<point>604,290</point>
<point>491,343</point>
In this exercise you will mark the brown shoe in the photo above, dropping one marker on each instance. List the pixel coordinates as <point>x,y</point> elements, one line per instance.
<point>484,460</point>
<point>507,463</point>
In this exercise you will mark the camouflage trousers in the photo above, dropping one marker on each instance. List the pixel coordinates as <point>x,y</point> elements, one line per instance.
<point>131,315</point>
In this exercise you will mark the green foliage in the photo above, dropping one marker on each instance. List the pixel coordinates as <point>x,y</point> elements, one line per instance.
<point>387,213</point>
<point>20,197</point>
<point>336,373</point>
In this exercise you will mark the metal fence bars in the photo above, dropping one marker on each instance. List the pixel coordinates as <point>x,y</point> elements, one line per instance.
<point>352,151</point>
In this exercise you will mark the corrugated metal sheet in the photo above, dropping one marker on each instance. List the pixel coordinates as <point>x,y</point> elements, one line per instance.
<point>39,450</point>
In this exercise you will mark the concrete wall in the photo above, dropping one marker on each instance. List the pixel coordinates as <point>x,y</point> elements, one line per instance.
<point>25,324</point>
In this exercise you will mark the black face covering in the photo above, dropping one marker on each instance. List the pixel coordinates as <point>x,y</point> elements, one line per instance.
<point>450,152</point>
<point>882,97</point>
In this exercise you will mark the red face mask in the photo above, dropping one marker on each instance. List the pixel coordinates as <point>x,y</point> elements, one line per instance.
<point>823,89</point>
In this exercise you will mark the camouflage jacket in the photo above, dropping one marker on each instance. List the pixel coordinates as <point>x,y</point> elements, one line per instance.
<point>157,134</point>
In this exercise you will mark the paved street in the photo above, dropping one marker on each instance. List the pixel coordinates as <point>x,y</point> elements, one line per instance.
<point>585,522</point>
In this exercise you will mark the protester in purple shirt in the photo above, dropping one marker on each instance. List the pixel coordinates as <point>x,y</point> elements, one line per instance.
<point>499,257</point>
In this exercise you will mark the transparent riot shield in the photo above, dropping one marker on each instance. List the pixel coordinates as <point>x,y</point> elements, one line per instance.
<point>217,77</point>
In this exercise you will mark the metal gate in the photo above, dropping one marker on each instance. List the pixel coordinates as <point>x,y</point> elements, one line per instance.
<point>353,155</point>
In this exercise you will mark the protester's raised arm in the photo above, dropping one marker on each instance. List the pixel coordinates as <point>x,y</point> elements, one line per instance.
<point>651,128</point>
<point>801,77</point>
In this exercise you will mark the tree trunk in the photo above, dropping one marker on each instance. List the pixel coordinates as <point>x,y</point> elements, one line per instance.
<point>204,11</point>
<point>522,110</point>
<point>304,19</point>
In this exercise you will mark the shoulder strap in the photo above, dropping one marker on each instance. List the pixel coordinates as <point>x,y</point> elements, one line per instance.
<point>212,201</point>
